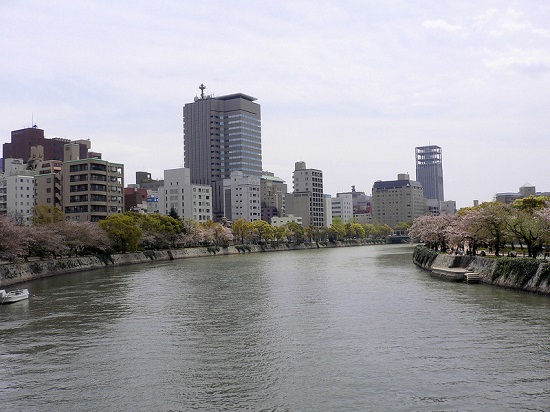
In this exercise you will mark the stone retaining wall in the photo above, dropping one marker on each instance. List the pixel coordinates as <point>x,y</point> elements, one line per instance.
<point>11,274</point>
<point>539,283</point>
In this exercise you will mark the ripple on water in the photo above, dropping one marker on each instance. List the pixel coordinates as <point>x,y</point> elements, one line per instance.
<point>342,329</point>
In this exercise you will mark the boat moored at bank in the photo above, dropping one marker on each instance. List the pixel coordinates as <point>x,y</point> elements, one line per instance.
<point>13,296</point>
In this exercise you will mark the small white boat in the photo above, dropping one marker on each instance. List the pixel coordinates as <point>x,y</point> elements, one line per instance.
<point>13,296</point>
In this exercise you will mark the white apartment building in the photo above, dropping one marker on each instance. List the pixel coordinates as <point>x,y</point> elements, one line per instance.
<point>190,201</point>
<point>241,197</point>
<point>17,191</point>
<point>342,207</point>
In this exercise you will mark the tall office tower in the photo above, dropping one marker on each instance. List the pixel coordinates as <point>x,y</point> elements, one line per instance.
<point>429,171</point>
<point>308,200</point>
<point>221,135</point>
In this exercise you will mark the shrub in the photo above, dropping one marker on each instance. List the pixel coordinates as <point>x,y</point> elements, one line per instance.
<point>213,249</point>
<point>518,270</point>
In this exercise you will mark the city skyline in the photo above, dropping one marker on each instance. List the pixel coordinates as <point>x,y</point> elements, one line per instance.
<point>351,89</point>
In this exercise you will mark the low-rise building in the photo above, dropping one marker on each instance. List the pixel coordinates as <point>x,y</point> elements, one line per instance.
<point>524,191</point>
<point>283,220</point>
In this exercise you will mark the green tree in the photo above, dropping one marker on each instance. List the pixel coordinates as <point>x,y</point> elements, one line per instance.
<point>369,229</point>
<point>43,215</point>
<point>402,228</point>
<point>262,230</point>
<point>337,230</point>
<point>281,233</point>
<point>242,230</point>
<point>313,233</point>
<point>527,225</point>
<point>355,231</point>
<point>383,231</point>
<point>296,232</point>
<point>493,218</point>
<point>174,214</point>
<point>123,232</point>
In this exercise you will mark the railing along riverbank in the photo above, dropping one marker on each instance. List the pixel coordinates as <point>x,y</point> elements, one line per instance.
<point>524,274</point>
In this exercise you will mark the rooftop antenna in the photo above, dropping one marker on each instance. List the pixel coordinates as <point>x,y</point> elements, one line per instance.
<point>202,87</point>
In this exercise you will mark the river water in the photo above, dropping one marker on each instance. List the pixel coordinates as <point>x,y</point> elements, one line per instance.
<point>345,329</point>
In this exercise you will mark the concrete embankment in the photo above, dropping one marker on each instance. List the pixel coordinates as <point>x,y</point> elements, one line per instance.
<point>14,273</point>
<point>528,275</point>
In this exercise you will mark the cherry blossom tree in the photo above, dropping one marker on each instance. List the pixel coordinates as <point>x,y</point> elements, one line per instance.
<point>433,230</point>
<point>12,239</point>
<point>83,237</point>
<point>44,241</point>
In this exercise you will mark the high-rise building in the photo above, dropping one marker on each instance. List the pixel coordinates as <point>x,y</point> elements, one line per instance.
<point>397,201</point>
<point>308,201</point>
<point>221,135</point>
<point>429,171</point>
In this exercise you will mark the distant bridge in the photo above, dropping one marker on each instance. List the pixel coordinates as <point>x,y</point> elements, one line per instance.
<point>398,239</point>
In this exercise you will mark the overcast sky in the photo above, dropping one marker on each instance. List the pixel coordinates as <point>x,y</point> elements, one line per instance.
<point>349,87</point>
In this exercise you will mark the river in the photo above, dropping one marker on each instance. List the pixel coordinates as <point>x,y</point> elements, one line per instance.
<point>344,329</point>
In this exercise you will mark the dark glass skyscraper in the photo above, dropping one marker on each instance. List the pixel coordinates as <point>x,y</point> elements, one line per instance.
<point>221,134</point>
<point>429,171</point>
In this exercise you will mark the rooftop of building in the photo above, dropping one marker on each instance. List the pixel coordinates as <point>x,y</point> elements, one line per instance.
<point>236,96</point>
<point>272,178</point>
<point>395,184</point>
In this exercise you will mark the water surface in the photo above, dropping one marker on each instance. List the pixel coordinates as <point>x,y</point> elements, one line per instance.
<point>346,329</point>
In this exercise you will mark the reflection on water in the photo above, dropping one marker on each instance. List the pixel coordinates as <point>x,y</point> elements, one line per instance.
<point>342,329</point>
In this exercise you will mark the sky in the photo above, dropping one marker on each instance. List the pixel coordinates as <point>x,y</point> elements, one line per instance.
<point>349,87</point>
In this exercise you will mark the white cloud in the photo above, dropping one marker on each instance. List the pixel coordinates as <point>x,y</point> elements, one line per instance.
<point>441,25</point>
<point>485,17</point>
<point>524,61</point>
